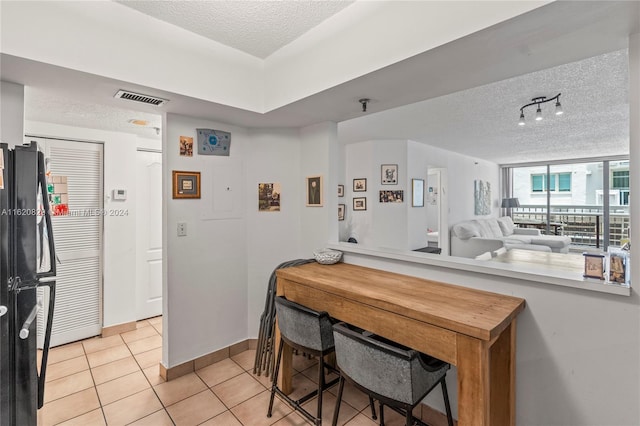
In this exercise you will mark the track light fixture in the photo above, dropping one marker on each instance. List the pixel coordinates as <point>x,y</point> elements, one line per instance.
<point>364,102</point>
<point>539,101</point>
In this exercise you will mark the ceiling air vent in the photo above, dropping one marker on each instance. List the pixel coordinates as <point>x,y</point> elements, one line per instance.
<point>139,97</point>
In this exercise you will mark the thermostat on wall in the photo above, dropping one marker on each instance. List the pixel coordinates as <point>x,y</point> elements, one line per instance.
<point>119,195</point>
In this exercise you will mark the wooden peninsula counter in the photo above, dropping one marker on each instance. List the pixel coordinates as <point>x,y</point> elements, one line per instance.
<point>472,329</point>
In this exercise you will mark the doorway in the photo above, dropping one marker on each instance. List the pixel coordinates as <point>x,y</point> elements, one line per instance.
<point>148,234</point>
<point>75,178</point>
<point>437,209</point>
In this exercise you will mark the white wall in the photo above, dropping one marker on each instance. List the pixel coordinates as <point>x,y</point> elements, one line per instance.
<point>389,225</point>
<point>272,237</point>
<point>205,284</point>
<point>119,245</point>
<point>217,276</point>
<point>11,113</point>
<point>318,156</point>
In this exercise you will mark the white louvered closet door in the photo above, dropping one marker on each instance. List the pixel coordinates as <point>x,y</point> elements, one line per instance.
<point>78,240</point>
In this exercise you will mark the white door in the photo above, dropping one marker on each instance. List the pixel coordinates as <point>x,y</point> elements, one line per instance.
<point>149,234</point>
<point>78,240</point>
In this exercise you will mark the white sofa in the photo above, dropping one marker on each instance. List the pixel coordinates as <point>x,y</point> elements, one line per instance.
<point>473,237</point>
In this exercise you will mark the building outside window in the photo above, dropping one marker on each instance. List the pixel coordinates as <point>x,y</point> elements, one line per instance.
<point>558,182</point>
<point>573,203</point>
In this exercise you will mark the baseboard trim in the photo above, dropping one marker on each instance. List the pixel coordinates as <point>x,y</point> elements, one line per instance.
<point>185,368</point>
<point>117,329</point>
<point>434,417</point>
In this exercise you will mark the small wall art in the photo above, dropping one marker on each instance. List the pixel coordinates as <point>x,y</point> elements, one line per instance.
<point>341,209</point>
<point>482,198</point>
<point>391,196</point>
<point>269,197</point>
<point>389,174</point>
<point>186,146</point>
<point>314,191</point>
<point>360,203</point>
<point>340,190</point>
<point>186,184</point>
<point>360,185</point>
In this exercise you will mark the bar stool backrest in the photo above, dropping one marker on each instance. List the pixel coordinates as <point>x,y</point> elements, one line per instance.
<point>389,370</point>
<point>303,326</point>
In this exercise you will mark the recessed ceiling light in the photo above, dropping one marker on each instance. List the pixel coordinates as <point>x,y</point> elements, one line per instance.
<point>138,122</point>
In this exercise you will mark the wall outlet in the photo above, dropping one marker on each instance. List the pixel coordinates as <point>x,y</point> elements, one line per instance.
<point>182,229</point>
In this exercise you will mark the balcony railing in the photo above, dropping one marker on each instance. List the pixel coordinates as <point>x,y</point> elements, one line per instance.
<point>583,224</point>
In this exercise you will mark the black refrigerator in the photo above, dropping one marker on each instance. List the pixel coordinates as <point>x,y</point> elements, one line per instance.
<point>27,265</point>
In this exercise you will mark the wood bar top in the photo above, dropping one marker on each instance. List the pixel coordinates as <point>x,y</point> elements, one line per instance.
<point>476,313</point>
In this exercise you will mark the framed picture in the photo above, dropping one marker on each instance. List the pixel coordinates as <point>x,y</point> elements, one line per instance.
<point>269,197</point>
<point>340,190</point>
<point>360,203</point>
<point>392,196</point>
<point>186,184</point>
<point>341,208</point>
<point>186,146</point>
<point>417,192</point>
<point>360,185</point>
<point>617,268</point>
<point>593,266</point>
<point>314,191</point>
<point>389,174</point>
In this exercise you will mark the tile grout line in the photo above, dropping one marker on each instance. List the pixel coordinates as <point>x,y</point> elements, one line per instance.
<point>149,382</point>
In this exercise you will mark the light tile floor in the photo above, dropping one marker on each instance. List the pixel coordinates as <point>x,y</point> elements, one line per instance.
<point>115,381</point>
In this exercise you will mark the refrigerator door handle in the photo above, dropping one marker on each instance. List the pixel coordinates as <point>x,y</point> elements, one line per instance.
<point>24,331</point>
<point>47,341</point>
<point>42,181</point>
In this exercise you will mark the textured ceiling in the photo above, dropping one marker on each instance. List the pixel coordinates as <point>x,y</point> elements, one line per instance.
<point>47,106</point>
<point>483,122</point>
<point>258,28</point>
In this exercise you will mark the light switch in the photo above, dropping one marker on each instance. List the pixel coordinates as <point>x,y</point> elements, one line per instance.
<point>182,229</point>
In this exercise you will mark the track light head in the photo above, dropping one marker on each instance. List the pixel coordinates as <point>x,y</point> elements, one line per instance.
<point>559,108</point>
<point>538,113</point>
<point>364,102</point>
<point>521,121</point>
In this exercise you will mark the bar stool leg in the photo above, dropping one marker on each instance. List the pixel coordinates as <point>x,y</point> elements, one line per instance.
<point>320,389</point>
<point>447,405</point>
<point>275,378</point>
<point>373,409</point>
<point>336,412</point>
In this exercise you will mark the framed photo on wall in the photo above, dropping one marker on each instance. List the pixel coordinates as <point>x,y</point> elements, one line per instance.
<point>389,174</point>
<point>360,203</point>
<point>186,184</point>
<point>314,191</point>
<point>360,185</point>
<point>341,209</point>
<point>340,190</point>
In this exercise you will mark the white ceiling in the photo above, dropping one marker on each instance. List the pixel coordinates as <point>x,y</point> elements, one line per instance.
<point>258,28</point>
<point>476,85</point>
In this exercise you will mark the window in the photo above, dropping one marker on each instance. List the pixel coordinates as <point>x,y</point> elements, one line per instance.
<point>537,183</point>
<point>620,179</point>
<point>564,182</point>
<point>558,182</point>
<point>620,182</point>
